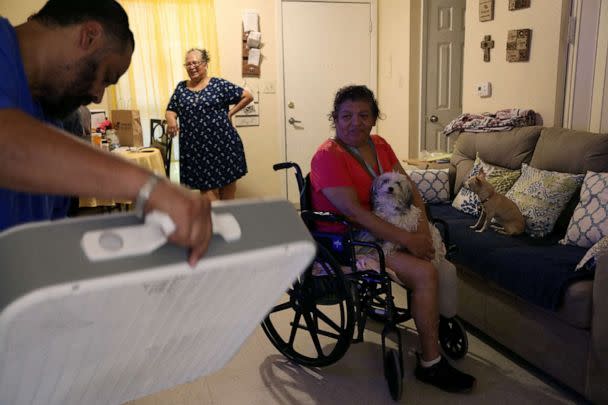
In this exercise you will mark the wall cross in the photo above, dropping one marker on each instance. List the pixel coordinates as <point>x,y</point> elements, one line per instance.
<point>486,45</point>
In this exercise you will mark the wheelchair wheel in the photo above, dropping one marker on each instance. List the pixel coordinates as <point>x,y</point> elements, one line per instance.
<point>393,374</point>
<point>453,337</point>
<point>314,323</point>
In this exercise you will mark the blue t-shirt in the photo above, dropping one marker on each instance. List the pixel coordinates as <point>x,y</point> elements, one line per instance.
<point>17,207</point>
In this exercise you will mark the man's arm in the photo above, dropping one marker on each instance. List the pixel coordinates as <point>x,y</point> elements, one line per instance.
<point>38,158</point>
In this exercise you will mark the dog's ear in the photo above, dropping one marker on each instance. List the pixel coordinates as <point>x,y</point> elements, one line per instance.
<point>482,173</point>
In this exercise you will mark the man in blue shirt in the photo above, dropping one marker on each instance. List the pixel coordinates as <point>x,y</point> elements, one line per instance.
<point>63,57</point>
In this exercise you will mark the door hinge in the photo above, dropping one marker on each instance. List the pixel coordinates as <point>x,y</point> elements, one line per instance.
<point>371,25</point>
<point>571,30</point>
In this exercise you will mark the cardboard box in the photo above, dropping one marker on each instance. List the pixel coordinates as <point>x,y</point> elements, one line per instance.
<point>127,125</point>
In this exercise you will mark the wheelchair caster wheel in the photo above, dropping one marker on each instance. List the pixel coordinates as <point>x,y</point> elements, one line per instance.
<point>393,374</point>
<point>453,338</point>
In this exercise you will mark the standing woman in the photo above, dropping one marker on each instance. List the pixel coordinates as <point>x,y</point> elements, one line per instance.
<point>212,157</point>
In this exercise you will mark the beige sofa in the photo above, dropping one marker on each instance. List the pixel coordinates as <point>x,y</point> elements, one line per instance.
<point>570,342</point>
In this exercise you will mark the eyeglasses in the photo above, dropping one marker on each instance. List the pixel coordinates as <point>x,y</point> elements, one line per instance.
<point>192,64</point>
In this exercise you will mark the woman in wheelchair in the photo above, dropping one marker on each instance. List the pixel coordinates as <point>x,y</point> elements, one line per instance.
<point>342,171</point>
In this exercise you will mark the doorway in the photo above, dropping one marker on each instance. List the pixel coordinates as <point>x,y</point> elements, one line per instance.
<point>441,71</point>
<point>325,45</point>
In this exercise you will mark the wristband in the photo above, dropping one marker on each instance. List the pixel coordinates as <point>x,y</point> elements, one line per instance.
<point>144,194</point>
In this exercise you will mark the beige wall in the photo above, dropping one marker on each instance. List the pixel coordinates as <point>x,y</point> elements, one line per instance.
<point>262,143</point>
<point>536,84</point>
<point>17,11</point>
<point>394,73</point>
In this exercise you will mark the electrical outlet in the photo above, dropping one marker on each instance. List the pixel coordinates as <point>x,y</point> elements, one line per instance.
<point>484,89</point>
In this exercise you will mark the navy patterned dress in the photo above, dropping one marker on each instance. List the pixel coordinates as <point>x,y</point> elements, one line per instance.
<point>211,151</point>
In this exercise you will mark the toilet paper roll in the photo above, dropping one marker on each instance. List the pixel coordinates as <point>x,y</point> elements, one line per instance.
<point>254,39</point>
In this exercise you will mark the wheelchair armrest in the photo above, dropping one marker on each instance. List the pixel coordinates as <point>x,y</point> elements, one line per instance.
<point>378,250</point>
<point>325,217</point>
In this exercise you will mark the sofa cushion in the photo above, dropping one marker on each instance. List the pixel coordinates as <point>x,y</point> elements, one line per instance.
<point>433,184</point>
<point>595,251</point>
<point>541,196</point>
<point>568,151</point>
<point>505,149</point>
<point>589,221</point>
<point>536,269</point>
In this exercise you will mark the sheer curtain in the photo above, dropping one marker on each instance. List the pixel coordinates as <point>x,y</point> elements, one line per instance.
<point>164,30</point>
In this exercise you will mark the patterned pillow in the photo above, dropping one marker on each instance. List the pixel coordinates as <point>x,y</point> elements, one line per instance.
<point>433,184</point>
<point>589,223</point>
<point>500,177</point>
<point>541,195</point>
<point>588,261</point>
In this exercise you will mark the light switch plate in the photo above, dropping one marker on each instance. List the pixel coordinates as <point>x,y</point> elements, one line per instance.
<point>484,89</point>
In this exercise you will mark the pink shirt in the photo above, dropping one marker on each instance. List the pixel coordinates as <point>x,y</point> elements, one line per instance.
<point>332,166</point>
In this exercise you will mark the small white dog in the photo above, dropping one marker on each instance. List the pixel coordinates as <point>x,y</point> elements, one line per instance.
<point>392,200</point>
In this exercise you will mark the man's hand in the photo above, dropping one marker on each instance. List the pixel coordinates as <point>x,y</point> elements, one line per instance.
<point>191,213</point>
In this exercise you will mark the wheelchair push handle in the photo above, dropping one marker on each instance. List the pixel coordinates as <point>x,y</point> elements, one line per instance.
<point>284,165</point>
<point>289,165</point>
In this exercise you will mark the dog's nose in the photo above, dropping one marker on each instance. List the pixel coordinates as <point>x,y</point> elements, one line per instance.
<point>390,189</point>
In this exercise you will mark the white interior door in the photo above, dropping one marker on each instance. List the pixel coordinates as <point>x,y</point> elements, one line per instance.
<point>326,45</point>
<point>444,59</point>
<point>586,93</point>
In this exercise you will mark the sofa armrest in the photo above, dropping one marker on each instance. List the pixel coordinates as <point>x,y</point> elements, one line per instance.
<point>597,389</point>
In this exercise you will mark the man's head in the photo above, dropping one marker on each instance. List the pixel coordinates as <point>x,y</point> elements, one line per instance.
<point>103,45</point>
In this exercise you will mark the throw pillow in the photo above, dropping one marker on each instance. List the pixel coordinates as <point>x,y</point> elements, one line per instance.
<point>588,261</point>
<point>433,184</point>
<point>541,195</point>
<point>500,177</point>
<point>589,223</point>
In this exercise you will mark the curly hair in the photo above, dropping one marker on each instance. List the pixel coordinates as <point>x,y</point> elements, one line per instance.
<point>203,52</point>
<point>354,93</point>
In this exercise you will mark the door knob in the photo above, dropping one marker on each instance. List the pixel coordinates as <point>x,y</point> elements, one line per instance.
<point>293,121</point>
<point>433,118</point>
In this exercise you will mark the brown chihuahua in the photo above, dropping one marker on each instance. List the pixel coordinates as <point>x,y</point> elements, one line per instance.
<point>509,220</point>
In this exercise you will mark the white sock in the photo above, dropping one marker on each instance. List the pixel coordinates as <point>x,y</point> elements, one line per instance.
<point>426,364</point>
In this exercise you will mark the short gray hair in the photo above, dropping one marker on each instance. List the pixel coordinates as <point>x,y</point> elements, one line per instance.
<point>203,52</point>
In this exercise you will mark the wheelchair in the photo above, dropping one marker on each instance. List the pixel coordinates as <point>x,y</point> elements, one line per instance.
<point>332,299</point>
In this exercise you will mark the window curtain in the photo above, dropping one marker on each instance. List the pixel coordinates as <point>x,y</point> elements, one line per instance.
<point>164,30</point>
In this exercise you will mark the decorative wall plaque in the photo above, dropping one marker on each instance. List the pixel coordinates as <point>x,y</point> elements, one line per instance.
<point>518,45</point>
<point>486,10</point>
<point>517,4</point>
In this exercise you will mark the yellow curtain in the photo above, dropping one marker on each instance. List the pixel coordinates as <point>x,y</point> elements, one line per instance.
<point>164,30</point>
